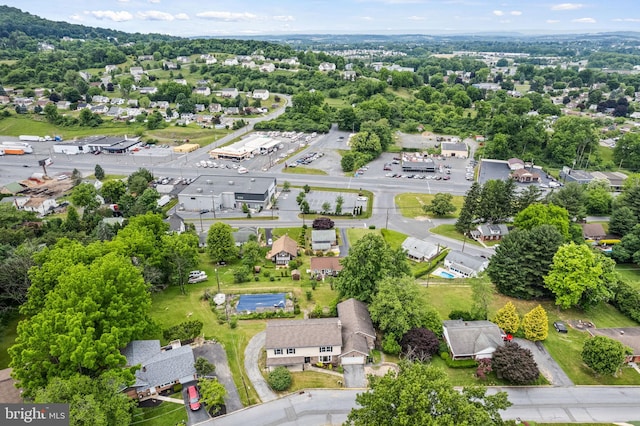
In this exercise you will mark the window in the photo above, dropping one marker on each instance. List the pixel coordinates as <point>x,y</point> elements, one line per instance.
<point>326,349</point>
<point>325,358</point>
<point>277,351</point>
<point>291,351</point>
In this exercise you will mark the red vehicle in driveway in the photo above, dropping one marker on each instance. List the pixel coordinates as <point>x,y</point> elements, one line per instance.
<point>194,398</point>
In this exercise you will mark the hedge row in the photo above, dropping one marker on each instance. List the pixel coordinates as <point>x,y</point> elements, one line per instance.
<point>627,300</point>
<point>462,363</point>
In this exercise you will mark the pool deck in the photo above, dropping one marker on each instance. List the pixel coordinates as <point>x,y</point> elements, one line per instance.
<point>442,273</point>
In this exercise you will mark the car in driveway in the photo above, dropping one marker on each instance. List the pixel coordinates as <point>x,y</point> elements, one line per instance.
<point>194,398</point>
<point>560,327</point>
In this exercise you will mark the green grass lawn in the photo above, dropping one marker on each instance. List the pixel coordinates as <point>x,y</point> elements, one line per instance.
<point>312,379</point>
<point>165,414</point>
<point>354,234</point>
<point>630,274</point>
<point>448,230</point>
<point>393,238</point>
<point>304,171</point>
<point>7,338</point>
<point>410,204</point>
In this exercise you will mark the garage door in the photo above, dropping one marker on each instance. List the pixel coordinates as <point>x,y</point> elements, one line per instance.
<point>352,360</point>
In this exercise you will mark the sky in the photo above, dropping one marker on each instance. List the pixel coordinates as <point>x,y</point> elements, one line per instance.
<point>252,17</point>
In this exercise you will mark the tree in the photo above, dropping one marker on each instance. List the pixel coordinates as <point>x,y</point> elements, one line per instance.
<point>515,364</point>
<point>251,254</point>
<point>84,195</point>
<point>580,277</point>
<point>507,318</point>
<point>469,209</point>
<point>369,260</point>
<point>366,143</point>
<point>604,355</point>
<point>339,202</point>
<point>535,324</point>
<point>629,248</point>
<point>421,394</point>
<point>572,197</point>
<point>113,190</point>
<point>279,379</point>
<point>94,311</point>
<point>72,221</point>
<point>181,255</point>
<point>522,260</point>
<point>51,113</point>
<point>326,207</point>
<point>212,394</point>
<point>14,278</point>
<point>441,205</point>
<point>92,400</point>
<point>306,189</point>
<point>286,186</point>
<point>136,185</point>
<point>544,214</point>
<point>220,244</point>
<point>322,223</point>
<point>397,308</point>
<point>185,331</point>
<point>626,152</point>
<point>481,295</point>
<point>203,366</point>
<point>598,197</point>
<point>98,172</point>
<point>419,344</point>
<point>622,221</point>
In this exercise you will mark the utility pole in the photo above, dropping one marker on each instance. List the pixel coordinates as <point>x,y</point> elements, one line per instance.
<point>218,279</point>
<point>386,225</point>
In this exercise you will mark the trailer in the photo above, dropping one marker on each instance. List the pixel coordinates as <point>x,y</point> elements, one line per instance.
<point>13,151</point>
<point>30,138</point>
<point>25,147</point>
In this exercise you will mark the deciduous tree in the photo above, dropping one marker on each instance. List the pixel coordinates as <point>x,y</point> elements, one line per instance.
<point>421,394</point>
<point>181,254</point>
<point>220,244</point>
<point>212,394</point>
<point>543,214</point>
<point>535,324</point>
<point>514,363</point>
<point>441,205</point>
<point>419,344</point>
<point>203,366</point>
<point>604,355</point>
<point>84,195</point>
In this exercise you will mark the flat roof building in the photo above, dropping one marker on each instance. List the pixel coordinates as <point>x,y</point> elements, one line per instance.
<point>219,192</point>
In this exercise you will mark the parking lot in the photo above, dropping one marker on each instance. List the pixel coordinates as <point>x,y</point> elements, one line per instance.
<point>287,200</point>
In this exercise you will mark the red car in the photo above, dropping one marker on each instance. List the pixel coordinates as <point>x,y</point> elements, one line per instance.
<point>194,398</point>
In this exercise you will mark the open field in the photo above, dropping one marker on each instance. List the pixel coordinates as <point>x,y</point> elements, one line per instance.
<point>411,204</point>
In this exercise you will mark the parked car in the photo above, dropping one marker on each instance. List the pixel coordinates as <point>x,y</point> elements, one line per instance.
<point>560,327</point>
<point>194,398</point>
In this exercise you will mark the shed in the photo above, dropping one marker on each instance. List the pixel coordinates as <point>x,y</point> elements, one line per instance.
<point>295,275</point>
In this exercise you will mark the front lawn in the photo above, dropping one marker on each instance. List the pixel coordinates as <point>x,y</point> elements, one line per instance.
<point>411,204</point>
<point>303,171</point>
<point>448,230</point>
<point>165,414</point>
<point>313,379</point>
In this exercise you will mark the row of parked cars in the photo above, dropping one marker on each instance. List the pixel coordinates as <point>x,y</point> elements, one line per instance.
<point>161,180</point>
<point>309,158</point>
<point>428,177</point>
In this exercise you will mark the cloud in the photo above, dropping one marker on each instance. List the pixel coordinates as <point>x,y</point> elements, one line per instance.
<point>567,6</point>
<point>111,15</point>
<point>515,13</point>
<point>416,18</point>
<point>552,21</point>
<point>153,1</point>
<point>283,18</point>
<point>123,1</point>
<point>227,16</point>
<point>366,18</point>
<point>498,12</point>
<point>76,17</point>
<point>155,15</point>
<point>181,16</point>
<point>584,20</point>
<point>626,20</point>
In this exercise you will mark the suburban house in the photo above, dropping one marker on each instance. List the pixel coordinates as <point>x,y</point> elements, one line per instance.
<point>160,368</point>
<point>471,339</point>
<point>260,94</point>
<point>322,267</point>
<point>40,205</point>
<point>267,67</point>
<point>230,62</point>
<point>244,235</point>
<point>323,239</point>
<point>230,92</point>
<point>525,176</point>
<point>327,66</point>
<point>593,231</point>
<point>419,250</point>
<point>149,90</point>
<point>283,250</point>
<point>203,90</point>
<point>358,334</point>
<point>451,149</point>
<point>460,263</point>
<point>347,339</point>
<point>136,71</point>
<point>176,223</point>
<point>490,232</point>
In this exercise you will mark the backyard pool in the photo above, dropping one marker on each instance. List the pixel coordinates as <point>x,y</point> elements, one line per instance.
<point>259,302</point>
<point>444,274</point>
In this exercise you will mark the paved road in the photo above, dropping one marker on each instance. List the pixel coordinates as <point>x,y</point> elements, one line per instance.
<point>545,405</point>
<point>547,365</point>
<point>251,356</point>
<point>216,355</point>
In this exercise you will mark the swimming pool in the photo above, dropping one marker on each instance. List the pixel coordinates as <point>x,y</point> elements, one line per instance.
<point>445,274</point>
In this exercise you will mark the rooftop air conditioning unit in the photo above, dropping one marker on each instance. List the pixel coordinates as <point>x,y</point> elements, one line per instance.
<point>209,181</point>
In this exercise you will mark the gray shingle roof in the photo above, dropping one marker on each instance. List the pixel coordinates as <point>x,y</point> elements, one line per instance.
<point>464,261</point>
<point>467,338</point>
<point>166,367</point>
<point>356,326</point>
<point>139,351</point>
<point>419,248</point>
<point>303,333</point>
<point>323,235</point>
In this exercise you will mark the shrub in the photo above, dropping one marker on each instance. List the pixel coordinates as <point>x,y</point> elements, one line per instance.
<point>279,379</point>
<point>390,345</point>
<point>309,295</point>
<point>515,364</point>
<point>314,283</point>
<point>419,344</point>
<point>187,330</point>
<point>372,227</point>
<point>461,363</point>
<point>204,367</point>
<point>484,368</point>
<point>233,323</point>
<point>463,315</point>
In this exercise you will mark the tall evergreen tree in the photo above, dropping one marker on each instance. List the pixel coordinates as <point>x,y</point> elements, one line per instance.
<point>469,210</point>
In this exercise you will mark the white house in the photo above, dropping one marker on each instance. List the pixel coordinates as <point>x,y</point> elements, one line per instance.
<point>327,66</point>
<point>260,94</point>
<point>230,92</point>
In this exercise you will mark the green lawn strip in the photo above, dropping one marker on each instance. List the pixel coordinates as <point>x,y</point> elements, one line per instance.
<point>303,171</point>
<point>410,204</point>
<point>630,274</point>
<point>165,414</point>
<point>448,230</point>
<point>393,238</point>
<point>312,379</point>
<point>8,336</point>
<point>354,234</point>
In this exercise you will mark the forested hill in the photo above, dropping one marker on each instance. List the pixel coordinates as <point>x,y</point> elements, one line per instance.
<point>13,20</point>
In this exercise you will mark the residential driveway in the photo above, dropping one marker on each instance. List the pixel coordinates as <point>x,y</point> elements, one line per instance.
<point>251,356</point>
<point>218,357</point>
<point>547,365</point>
<point>344,246</point>
<point>195,417</point>
<point>354,376</point>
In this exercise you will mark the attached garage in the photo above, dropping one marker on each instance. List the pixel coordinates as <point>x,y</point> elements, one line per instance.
<point>353,360</point>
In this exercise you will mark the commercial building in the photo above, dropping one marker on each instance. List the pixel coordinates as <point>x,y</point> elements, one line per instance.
<point>216,192</point>
<point>92,144</point>
<point>246,148</point>
<point>417,163</point>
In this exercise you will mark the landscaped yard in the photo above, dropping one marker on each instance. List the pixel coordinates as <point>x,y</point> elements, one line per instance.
<point>165,414</point>
<point>448,230</point>
<point>313,379</point>
<point>410,204</point>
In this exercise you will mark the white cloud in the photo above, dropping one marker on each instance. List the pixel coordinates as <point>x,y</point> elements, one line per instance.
<point>416,18</point>
<point>366,18</point>
<point>567,6</point>
<point>123,1</point>
<point>283,18</point>
<point>112,15</point>
<point>552,21</point>
<point>498,12</point>
<point>153,1</point>
<point>626,20</point>
<point>182,16</point>
<point>515,13</point>
<point>76,17</point>
<point>155,15</point>
<point>584,20</point>
<point>227,16</point>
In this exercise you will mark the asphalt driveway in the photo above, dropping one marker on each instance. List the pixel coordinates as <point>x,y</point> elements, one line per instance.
<point>218,357</point>
<point>354,376</point>
<point>251,357</point>
<point>547,365</point>
<point>194,417</point>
